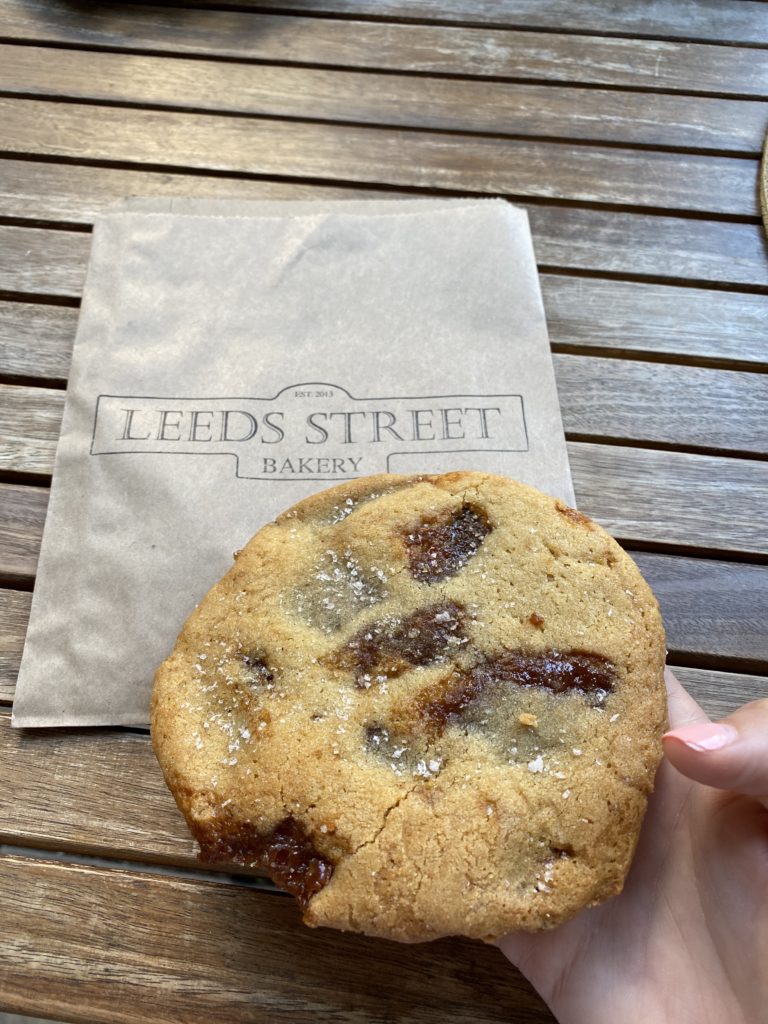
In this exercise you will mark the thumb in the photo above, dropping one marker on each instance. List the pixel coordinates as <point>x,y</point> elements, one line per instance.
<point>731,754</point>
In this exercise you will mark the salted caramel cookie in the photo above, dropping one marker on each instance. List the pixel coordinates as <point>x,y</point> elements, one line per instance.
<point>425,706</point>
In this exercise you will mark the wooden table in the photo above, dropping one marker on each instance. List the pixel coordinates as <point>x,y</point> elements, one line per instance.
<point>631,134</point>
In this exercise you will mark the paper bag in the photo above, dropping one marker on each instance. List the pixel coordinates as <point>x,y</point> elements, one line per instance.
<point>232,358</point>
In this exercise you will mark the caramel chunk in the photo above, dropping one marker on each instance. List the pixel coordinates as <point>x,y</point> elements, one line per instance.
<point>536,620</point>
<point>529,720</point>
<point>387,649</point>
<point>573,515</point>
<point>558,671</point>
<point>438,548</point>
<point>286,854</point>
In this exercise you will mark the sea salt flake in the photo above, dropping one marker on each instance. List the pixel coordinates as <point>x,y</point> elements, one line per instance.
<point>537,765</point>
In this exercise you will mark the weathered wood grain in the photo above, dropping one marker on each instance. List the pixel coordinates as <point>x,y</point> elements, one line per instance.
<point>722,20</point>
<point>14,615</point>
<point>654,318</point>
<point>648,497</point>
<point>30,420</point>
<point>551,56</point>
<point>671,248</point>
<point>200,951</point>
<point>58,784</point>
<point>698,596</point>
<point>721,693</point>
<point>36,340</point>
<point>662,404</point>
<point>403,158</point>
<point>77,193</point>
<point>393,100</point>
<point>568,238</point>
<point>22,514</point>
<point>35,261</point>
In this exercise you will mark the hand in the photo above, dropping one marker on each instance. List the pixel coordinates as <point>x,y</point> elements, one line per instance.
<point>687,939</point>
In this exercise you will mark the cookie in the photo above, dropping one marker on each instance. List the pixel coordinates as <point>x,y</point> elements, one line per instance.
<point>426,706</point>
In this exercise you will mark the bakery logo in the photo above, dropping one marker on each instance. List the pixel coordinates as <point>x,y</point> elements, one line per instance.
<point>311,431</point>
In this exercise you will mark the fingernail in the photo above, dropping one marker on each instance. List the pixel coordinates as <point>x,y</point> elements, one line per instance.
<point>704,735</point>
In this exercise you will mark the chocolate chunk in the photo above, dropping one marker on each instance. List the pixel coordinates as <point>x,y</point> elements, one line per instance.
<point>438,548</point>
<point>286,854</point>
<point>558,671</point>
<point>388,649</point>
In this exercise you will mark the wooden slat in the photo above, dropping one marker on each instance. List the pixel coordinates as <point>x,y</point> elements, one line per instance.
<point>672,498</point>
<point>14,615</point>
<point>720,20</point>
<point>701,598</point>
<point>22,514</point>
<point>35,340</point>
<point>651,318</point>
<point>662,404</point>
<point>459,105</point>
<point>720,693</point>
<point>565,239</point>
<point>674,248</point>
<point>200,951</point>
<point>550,56</point>
<point>30,420</point>
<point>34,261</point>
<point>77,193</point>
<point>614,176</point>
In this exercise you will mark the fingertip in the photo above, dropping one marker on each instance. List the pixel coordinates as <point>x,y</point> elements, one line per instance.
<point>702,737</point>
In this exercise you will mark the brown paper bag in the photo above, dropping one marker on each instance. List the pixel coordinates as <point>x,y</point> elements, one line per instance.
<point>232,358</point>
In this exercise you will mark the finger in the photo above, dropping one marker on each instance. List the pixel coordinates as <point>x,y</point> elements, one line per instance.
<point>683,709</point>
<point>731,754</point>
